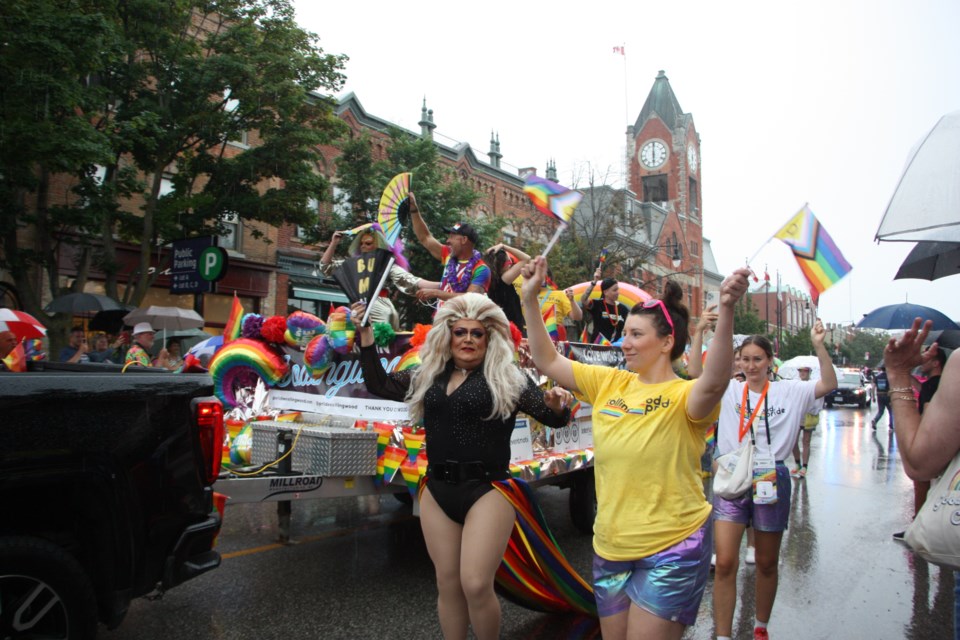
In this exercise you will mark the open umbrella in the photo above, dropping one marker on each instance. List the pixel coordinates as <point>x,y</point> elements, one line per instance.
<point>900,316</point>
<point>926,203</point>
<point>946,339</point>
<point>110,321</point>
<point>21,324</point>
<point>172,318</point>
<point>207,347</point>
<point>789,367</point>
<point>76,303</point>
<point>931,260</point>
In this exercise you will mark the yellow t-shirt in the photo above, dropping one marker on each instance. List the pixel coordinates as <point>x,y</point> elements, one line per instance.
<point>647,462</point>
<point>556,297</point>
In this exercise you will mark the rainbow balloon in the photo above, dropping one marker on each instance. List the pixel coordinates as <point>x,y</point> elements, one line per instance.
<point>409,360</point>
<point>302,327</point>
<point>318,356</point>
<point>239,361</point>
<point>341,330</point>
<point>629,294</point>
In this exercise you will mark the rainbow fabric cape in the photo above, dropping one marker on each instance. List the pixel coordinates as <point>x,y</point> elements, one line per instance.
<point>534,572</point>
<point>819,258</point>
<point>550,320</point>
<point>551,198</point>
<point>234,324</point>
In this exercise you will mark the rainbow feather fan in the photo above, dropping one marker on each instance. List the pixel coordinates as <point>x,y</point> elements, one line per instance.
<point>241,359</point>
<point>394,206</point>
<point>534,572</point>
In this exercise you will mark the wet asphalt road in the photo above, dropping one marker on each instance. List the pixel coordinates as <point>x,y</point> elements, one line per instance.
<point>360,568</point>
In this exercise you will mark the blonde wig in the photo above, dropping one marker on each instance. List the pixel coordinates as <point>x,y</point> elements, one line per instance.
<point>504,378</point>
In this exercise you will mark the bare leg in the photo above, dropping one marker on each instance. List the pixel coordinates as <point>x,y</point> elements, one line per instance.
<point>643,625</point>
<point>768,559</point>
<point>615,627</point>
<point>806,446</point>
<point>443,538</point>
<point>796,452</point>
<point>485,535</point>
<point>727,537</point>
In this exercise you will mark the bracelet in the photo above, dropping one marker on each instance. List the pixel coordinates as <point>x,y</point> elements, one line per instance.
<point>904,397</point>
<point>901,390</point>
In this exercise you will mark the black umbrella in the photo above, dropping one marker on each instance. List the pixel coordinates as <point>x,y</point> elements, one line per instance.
<point>946,339</point>
<point>931,260</point>
<point>900,316</point>
<point>109,321</point>
<point>77,303</point>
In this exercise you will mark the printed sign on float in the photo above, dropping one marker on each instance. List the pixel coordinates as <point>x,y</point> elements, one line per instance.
<point>521,442</point>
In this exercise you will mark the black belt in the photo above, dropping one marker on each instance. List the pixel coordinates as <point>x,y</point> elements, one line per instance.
<point>453,472</point>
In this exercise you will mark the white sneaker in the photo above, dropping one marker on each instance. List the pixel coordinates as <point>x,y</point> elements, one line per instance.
<point>751,555</point>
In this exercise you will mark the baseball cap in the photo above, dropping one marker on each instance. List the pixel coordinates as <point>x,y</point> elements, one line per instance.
<point>143,327</point>
<point>804,368</point>
<point>465,230</point>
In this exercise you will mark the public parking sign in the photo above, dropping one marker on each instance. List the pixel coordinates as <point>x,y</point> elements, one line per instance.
<point>197,265</point>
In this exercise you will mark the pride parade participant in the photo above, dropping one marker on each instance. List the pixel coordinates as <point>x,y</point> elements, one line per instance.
<point>652,548</point>
<point>467,390</point>
<point>771,414</point>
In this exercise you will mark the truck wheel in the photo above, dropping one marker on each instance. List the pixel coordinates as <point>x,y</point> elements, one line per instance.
<point>44,591</point>
<point>583,501</point>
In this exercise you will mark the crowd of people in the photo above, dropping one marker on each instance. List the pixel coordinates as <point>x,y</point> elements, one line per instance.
<point>653,549</point>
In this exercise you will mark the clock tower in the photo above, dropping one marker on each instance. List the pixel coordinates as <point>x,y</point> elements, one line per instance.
<point>663,156</point>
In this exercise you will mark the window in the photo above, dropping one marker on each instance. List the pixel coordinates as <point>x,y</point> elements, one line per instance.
<point>313,206</point>
<point>692,209</point>
<point>655,188</point>
<point>341,202</point>
<point>231,105</point>
<point>230,238</point>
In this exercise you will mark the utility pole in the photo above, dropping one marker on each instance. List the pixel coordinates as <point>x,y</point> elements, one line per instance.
<point>766,297</point>
<point>779,316</point>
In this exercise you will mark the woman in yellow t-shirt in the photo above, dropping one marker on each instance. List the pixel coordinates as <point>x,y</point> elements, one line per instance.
<point>652,536</point>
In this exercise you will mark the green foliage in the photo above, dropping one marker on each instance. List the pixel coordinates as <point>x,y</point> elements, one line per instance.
<point>441,196</point>
<point>746,319</point>
<point>796,345</point>
<point>863,342</point>
<point>152,89</point>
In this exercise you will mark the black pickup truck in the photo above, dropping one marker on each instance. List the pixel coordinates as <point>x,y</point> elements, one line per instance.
<point>105,492</point>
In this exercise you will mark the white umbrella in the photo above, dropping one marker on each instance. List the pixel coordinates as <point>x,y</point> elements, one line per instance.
<point>788,369</point>
<point>172,318</point>
<point>925,206</point>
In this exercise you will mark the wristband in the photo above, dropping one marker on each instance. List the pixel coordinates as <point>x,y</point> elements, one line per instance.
<point>901,390</point>
<point>904,397</point>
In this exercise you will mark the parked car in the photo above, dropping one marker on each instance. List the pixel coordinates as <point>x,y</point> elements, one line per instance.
<point>852,388</point>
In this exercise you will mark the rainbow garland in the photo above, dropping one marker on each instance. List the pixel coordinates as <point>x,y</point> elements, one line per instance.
<point>534,572</point>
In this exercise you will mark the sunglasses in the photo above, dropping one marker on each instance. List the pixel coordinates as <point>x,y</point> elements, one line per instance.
<point>650,304</point>
<point>476,334</point>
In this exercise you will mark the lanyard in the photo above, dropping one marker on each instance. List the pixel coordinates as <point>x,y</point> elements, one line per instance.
<point>612,318</point>
<point>745,407</point>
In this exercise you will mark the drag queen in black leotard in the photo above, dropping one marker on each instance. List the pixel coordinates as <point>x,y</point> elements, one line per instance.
<point>468,392</point>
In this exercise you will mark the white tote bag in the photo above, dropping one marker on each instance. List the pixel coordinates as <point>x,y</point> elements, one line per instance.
<point>734,475</point>
<point>934,534</point>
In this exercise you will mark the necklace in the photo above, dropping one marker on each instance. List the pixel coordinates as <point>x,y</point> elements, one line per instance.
<point>463,372</point>
<point>458,278</point>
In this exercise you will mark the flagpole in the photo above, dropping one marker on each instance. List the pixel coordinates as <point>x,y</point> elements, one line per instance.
<point>553,240</point>
<point>376,292</point>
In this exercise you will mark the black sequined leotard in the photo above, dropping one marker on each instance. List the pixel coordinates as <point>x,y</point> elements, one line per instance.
<point>457,426</point>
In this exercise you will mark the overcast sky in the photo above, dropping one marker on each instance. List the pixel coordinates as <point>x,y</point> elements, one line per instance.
<point>813,102</point>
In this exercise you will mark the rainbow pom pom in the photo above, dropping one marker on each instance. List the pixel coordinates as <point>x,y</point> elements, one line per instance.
<point>241,360</point>
<point>409,360</point>
<point>341,330</point>
<point>318,356</point>
<point>302,327</point>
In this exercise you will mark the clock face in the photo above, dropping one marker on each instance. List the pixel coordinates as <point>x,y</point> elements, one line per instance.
<point>692,158</point>
<point>653,154</point>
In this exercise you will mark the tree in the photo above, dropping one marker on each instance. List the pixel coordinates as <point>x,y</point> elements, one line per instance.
<point>441,196</point>
<point>855,349</point>
<point>746,320</point>
<point>799,344</point>
<point>143,92</point>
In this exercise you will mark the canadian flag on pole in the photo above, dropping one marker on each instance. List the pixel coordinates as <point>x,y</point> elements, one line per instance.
<point>622,50</point>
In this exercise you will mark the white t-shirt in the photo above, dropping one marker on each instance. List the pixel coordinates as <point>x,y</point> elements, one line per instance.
<point>786,404</point>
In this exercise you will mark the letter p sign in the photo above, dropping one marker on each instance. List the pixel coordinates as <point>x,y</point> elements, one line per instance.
<point>213,263</point>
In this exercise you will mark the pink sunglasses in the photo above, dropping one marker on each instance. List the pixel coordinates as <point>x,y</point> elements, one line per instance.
<point>650,304</point>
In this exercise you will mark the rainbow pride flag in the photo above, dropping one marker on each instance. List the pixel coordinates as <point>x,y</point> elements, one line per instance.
<point>602,340</point>
<point>550,321</point>
<point>16,360</point>
<point>819,258</point>
<point>551,198</point>
<point>393,457</point>
<point>234,324</point>
<point>585,336</point>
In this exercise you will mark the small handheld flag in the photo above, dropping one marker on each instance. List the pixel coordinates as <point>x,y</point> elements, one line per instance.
<point>819,258</point>
<point>553,200</point>
<point>234,324</point>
